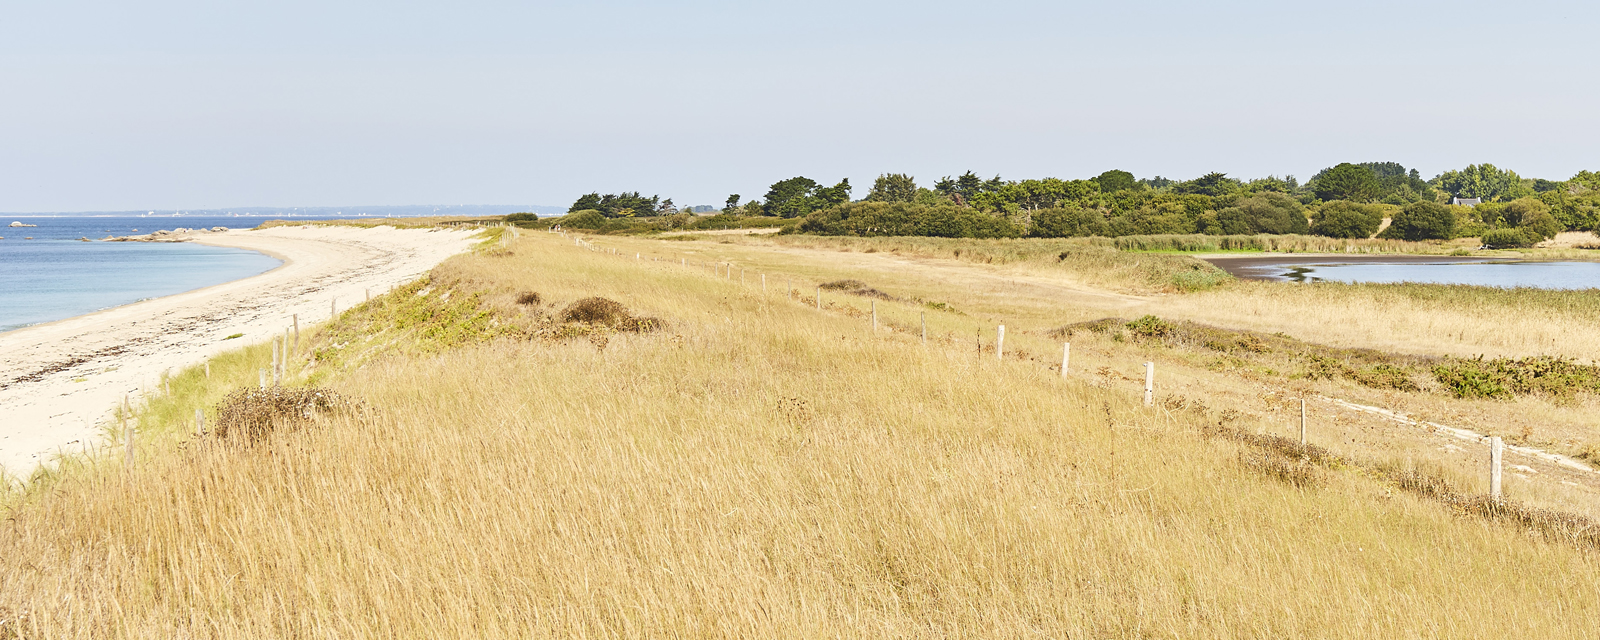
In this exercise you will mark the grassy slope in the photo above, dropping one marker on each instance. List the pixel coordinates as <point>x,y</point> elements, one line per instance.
<point>763,469</point>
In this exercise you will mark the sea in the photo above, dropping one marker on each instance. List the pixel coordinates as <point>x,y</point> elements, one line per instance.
<point>47,273</point>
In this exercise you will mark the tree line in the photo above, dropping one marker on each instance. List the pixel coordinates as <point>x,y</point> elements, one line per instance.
<point>1348,200</point>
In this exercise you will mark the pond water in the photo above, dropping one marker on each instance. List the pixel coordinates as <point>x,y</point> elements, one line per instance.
<point>1543,275</point>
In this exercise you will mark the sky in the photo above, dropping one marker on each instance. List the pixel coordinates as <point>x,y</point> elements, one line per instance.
<point>167,104</point>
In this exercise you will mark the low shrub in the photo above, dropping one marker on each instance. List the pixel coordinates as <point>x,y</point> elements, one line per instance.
<point>252,414</point>
<point>595,311</point>
<point>1509,239</point>
<point>1151,327</point>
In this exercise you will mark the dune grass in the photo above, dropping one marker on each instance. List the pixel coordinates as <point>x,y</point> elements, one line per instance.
<point>761,469</point>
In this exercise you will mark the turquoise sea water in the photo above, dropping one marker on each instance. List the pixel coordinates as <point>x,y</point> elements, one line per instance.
<point>55,276</point>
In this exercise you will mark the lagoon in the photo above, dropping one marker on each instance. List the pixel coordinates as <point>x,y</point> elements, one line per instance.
<point>1484,272</point>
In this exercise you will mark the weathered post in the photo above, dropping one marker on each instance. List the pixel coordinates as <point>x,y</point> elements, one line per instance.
<point>874,316</point>
<point>369,294</point>
<point>208,369</point>
<point>924,328</point>
<point>819,298</point>
<point>333,308</point>
<point>127,432</point>
<point>296,333</point>
<point>1000,343</point>
<point>763,284</point>
<point>1066,357</point>
<point>1302,423</point>
<point>261,378</point>
<point>1496,451</point>
<point>1149,383</point>
<point>199,421</point>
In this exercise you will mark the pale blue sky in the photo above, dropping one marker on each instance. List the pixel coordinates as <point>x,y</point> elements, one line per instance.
<point>162,104</point>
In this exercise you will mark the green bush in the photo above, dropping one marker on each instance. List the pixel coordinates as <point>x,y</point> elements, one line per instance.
<point>1067,222</point>
<point>1422,221</point>
<point>1151,327</point>
<point>907,219</point>
<point>1508,239</point>
<point>1343,219</point>
<point>586,219</point>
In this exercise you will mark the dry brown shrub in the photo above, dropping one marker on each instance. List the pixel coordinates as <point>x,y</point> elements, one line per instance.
<point>595,310</point>
<point>252,414</point>
<point>606,313</point>
<point>858,288</point>
<point>529,298</point>
<point>639,324</point>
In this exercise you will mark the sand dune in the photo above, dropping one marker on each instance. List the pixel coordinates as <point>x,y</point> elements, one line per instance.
<point>59,381</point>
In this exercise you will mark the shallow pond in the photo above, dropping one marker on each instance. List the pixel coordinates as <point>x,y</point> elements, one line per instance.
<point>1543,275</point>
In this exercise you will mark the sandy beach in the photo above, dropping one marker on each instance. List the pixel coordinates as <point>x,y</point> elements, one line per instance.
<point>59,381</point>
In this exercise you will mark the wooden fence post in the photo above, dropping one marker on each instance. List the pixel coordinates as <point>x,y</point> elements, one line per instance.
<point>369,294</point>
<point>819,298</point>
<point>1149,384</point>
<point>924,328</point>
<point>127,432</point>
<point>1066,357</point>
<point>261,378</point>
<point>1496,451</point>
<point>333,308</point>
<point>199,421</point>
<point>208,369</point>
<point>1302,423</point>
<point>874,316</point>
<point>1000,343</point>
<point>763,284</point>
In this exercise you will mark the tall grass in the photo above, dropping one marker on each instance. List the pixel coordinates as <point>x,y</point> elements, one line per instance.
<point>763,470</point>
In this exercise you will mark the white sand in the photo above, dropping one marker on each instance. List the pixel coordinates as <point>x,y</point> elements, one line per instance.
<point>122,350</point>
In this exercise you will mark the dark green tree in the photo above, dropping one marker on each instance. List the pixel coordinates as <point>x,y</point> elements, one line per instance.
<point>963,189</point>
<point>1267,212</point>
<point>586,202</point>
<point>732,204</point>
<point>893,187</point>
<point>1422,221</point>
<point>1346,181</point>
<point>1344,219</point>
<point>1484,181</point>
<point>1116,180</point>
<point>1212,184</point>
<point>788,198</point>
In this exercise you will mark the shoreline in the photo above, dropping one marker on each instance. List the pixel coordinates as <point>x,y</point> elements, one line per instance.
<point>283,259</point>
<point>60,380</point>
<point>1264,267</point>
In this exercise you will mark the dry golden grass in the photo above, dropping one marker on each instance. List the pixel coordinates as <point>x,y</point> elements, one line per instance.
<point>766,470</point>
<point>1422,319</point>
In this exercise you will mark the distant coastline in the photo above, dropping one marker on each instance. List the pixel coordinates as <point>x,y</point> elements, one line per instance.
<point>362,211</point>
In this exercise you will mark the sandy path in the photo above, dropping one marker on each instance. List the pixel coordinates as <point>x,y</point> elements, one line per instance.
<point>117,351</point>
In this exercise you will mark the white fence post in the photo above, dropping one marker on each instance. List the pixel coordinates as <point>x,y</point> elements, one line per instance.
<point>1149,383</point>
<point>1000,343</point>
<point>819,298</point>
<point>1496,452</point>
<point>874,316</point>
<point>1066,357</point>
<point>924,328</point>
<point>199,421</point>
